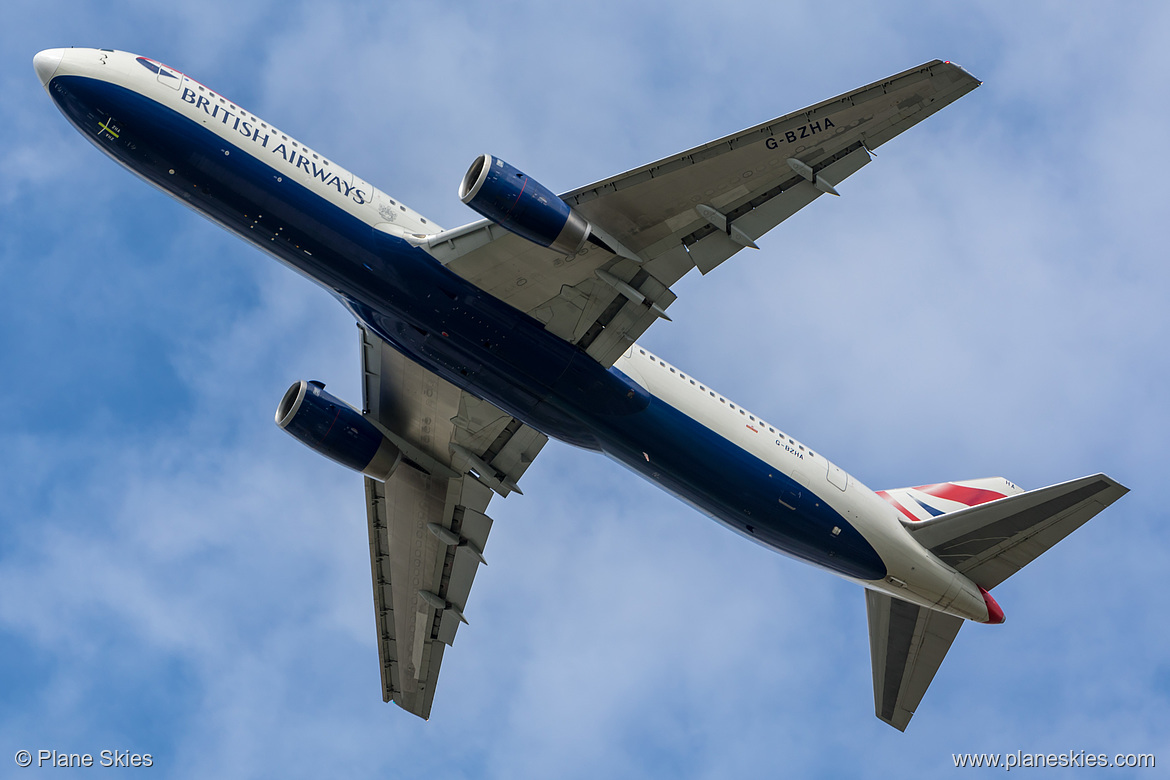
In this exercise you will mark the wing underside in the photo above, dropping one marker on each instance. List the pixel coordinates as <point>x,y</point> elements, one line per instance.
<point>692,210</point>
<point>428,528</point>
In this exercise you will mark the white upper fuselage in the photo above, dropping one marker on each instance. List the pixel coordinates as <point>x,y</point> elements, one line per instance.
<point>913,574</point>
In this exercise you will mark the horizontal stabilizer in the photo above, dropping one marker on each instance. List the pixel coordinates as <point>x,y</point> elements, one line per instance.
<point>992,541</point>
<point>907,643</point>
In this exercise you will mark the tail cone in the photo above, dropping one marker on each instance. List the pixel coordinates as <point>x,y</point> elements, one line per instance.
<point>994,611</point>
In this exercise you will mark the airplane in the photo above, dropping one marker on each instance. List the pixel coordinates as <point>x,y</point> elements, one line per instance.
<point>479,343</point>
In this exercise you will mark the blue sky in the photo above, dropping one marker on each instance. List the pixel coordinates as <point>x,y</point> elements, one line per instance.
<point>179,577</point>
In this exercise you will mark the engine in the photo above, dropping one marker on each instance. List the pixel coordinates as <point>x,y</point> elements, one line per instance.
<point>335,429</point>
<point>522,205</point>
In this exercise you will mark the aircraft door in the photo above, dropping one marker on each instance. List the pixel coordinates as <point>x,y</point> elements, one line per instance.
<point>837,476</point>
<point>362,190</point>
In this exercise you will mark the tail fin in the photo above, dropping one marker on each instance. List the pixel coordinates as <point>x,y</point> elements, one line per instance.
<point>918,504</point>
<point>988,540</point>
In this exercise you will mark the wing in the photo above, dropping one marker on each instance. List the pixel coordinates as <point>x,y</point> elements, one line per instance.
<point>427,523</point>
<point>692,210</point>
<point>907,644</point>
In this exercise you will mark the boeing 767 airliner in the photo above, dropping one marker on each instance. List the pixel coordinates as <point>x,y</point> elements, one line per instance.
<point>480,342</point>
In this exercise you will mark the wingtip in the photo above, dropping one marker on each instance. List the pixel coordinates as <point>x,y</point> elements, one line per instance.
<point>965,72</point>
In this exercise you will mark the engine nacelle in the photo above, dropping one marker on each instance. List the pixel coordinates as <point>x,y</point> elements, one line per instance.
<point>522,205</point>
<point>335,429</point>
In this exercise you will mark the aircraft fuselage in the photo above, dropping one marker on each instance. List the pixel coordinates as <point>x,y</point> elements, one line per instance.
<point>366,248</point>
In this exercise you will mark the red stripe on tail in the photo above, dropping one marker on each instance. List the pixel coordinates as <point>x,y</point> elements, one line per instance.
<point>964,495</point>
<point>892,502</point>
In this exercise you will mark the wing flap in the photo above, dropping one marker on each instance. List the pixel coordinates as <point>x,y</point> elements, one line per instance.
<point>616,336</point>
<point>462,561</point>
<point>907,645</point>
<point>772,212</point>
<point>478,424</point>
<point>463,568</point>
<point>518,451</point>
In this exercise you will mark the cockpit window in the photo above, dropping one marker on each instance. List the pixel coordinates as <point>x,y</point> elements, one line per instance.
<point>154,67</point>
<point>148,64</point>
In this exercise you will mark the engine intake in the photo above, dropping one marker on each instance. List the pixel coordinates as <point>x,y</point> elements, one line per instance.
<point>518,203</point>
<point>335,429</point>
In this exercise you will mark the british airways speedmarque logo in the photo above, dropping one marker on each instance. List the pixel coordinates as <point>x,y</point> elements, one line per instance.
<point>247,128</point>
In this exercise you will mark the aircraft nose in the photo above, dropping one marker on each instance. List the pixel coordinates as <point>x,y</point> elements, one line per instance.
<point>45,63</point>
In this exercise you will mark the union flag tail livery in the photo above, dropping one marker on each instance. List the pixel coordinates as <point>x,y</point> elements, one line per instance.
<point>986,530</point>
<point>928,501</point>
<point>481,342</point>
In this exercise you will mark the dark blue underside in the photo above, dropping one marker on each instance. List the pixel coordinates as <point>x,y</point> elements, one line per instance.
<point>461,333</point>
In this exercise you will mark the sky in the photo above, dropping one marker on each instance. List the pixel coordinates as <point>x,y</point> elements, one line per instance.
<point>179,577</point>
